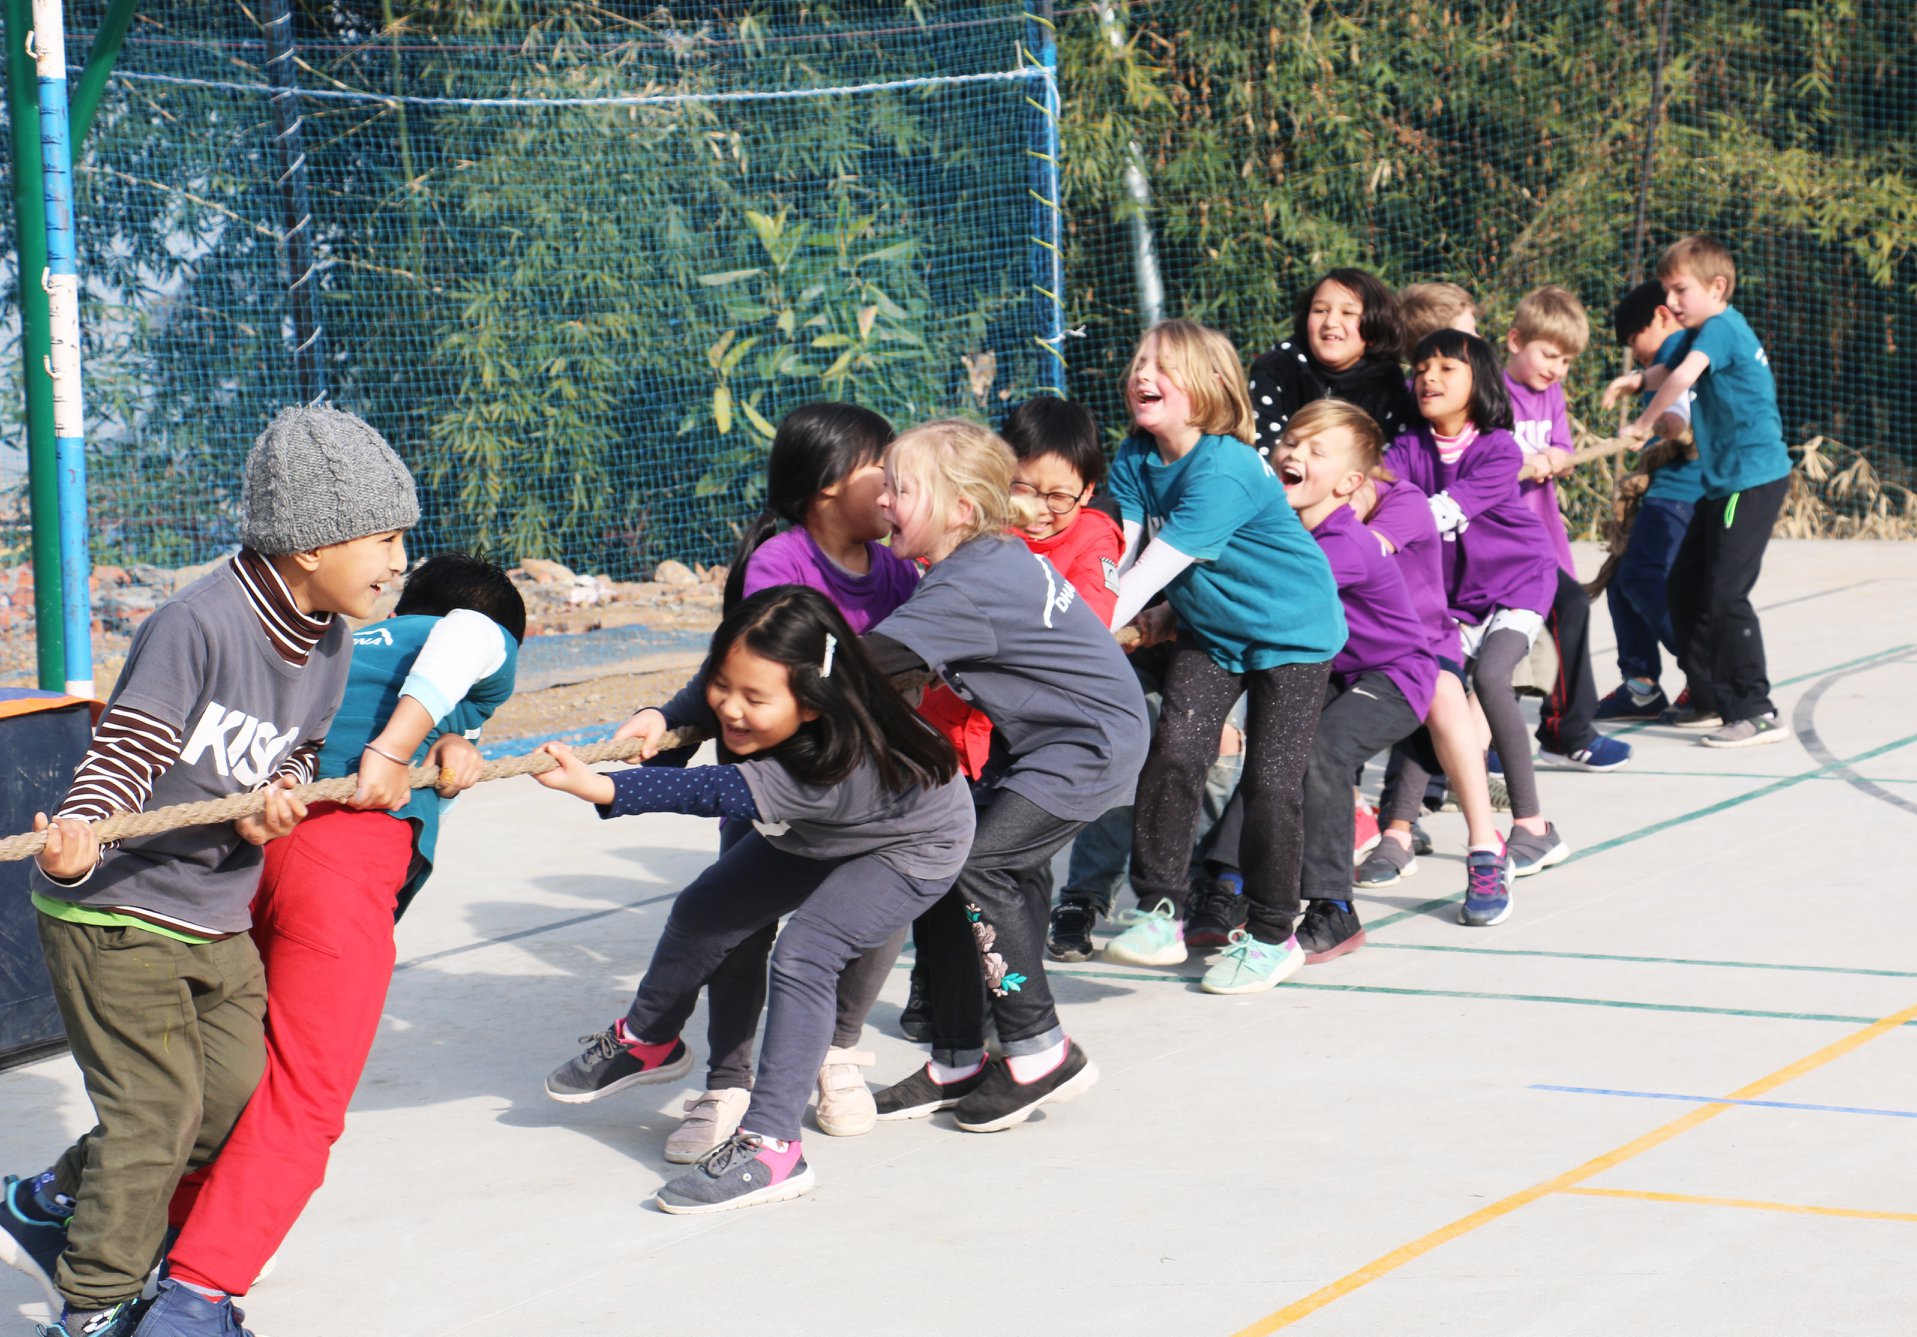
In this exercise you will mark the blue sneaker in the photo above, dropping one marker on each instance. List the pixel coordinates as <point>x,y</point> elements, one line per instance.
<point>1492,765</point>
<point>181,1311</point>
<point>1627,703</point>
<point>1251,966</point>
<point>1604,754</point>
<point>1158,939</point>
<point>1487,889</point>
<point>30,1240</point>
<point>120,1321</point>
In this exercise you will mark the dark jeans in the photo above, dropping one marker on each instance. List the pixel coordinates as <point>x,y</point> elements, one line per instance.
<point>839,907</point>
<point>1357,722</point>
<point>986,937</point>
<point>1279,725</point>
<point>1566,720</point>
<point>1640,609</point>
<point>1720,646</point>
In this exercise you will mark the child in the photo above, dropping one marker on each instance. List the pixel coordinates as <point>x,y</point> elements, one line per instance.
<point>1500,576</point>
<point>861,824</point>
<point>1550,330</point>
<point>1346,338</point>
<point>1257,612</point>
<point>422,683</point>
<point>229,686</point>
<point>1640,610</point>
<point>1012,637</point>
<point>823,480</point>
<point>1746,473</point>
<point>1381,682</point>
<point>1427,307</point>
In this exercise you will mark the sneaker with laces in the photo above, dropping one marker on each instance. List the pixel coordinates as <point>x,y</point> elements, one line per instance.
<point>1487,889</point>
<point>1000,1100</point>
<point>711,1118</point>
<point>1251,966</point>
<point>1069,938</point>
<point>1748,733</point>
<point>1683,715</point>
<point>1528,854</point>
<point>1365,832</point>
<point>1626,702</point>
<point>1156,940</point>
<point>915,1022</point>
<point>1213,911</point>
<point>846,1107</point>
<point>1387,865</point>
<point>921,1094</point>
<point>745,1171</point>
<point>181,1311</point>
<point>31,1240</point>
<point>123,1320</point>
<point>1603,754</point>
<point>1328,931</point>
<point>610,1065</point>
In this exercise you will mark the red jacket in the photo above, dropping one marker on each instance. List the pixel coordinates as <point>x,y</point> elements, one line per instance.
<point>1086,553</point>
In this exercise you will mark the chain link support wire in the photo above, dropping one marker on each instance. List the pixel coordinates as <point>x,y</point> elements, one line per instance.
<point>576,263</point>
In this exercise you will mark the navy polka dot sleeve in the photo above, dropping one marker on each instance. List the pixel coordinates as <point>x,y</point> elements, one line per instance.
<point>700,791</point>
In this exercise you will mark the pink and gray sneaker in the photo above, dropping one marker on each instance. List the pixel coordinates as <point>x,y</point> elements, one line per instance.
<point>743,1171</point>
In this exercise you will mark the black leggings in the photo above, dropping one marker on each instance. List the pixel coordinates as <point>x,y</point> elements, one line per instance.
<point>1498,658</point>
<point>1279,728</point>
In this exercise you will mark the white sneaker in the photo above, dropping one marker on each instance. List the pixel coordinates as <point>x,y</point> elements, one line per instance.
<point>846,1106</point>
<point>712,1117</point>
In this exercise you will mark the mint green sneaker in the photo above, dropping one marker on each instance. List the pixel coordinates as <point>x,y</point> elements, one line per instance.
<point>1251,966</point>
<point>1156,939</point>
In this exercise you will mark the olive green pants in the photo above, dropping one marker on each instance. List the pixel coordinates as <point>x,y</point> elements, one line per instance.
<point>168,1037</point>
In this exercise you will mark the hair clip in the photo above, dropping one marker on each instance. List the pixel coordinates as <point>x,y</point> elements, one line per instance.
<point>831,648</point>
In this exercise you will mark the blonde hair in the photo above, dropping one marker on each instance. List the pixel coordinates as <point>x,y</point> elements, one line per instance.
<point>953,460</point>
<point>1705,257</point>
<point>1555,315</point>
<point>1204,364</point>
<point>1324,415</point>
<point>1431,306</point>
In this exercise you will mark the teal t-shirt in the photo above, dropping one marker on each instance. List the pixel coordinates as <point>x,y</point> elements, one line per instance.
<point>1683,481</point>
<point>1259,592</point>
<point>1740,435</point>
<point>383,655</point>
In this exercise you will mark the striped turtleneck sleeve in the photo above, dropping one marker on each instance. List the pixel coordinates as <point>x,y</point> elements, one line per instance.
<point>130,750</point>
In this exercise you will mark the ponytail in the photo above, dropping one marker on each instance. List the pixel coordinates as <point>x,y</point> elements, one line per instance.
<point>763,526</point>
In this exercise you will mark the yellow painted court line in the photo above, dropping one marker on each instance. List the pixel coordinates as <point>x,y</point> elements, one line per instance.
<point>1698,1200</point>
<point>1464,1225</point>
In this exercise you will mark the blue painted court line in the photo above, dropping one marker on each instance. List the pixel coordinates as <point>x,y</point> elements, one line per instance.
<point>1721,1100</point>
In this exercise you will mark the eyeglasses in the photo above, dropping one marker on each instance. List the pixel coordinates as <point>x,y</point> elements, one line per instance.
<point>1058,503</point>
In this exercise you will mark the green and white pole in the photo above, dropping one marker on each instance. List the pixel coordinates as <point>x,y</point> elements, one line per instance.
<point>61,279</point>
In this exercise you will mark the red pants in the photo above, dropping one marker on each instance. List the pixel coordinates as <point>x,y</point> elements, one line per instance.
<point>323,922</point>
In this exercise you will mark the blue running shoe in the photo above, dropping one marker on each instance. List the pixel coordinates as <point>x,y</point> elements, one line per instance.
<point>1487,890</point>
<point>1627,703</point>
<point>1492,766</point>
<point>1604,754</point>
<point>30,1239</point>
<point>181,1311</point>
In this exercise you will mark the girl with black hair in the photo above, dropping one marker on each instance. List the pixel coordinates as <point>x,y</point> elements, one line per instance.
<point>1500,576</point>
<point>1347,335</point>
<point>862,824</point>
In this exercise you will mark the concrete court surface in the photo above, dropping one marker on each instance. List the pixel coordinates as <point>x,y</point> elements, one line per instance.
<point>1675,1093</point>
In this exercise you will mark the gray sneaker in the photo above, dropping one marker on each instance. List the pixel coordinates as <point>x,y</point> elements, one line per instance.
<point>608,1066</point>
<point>1387,865</point>
<point>1528,854</point>
<point>741,1172</point>
<point>1748,733</point>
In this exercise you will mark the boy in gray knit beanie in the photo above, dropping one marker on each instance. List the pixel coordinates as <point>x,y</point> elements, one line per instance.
<point>318,476</point>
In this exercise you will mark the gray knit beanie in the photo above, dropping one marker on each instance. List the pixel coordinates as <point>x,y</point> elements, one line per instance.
<point>318,476</point>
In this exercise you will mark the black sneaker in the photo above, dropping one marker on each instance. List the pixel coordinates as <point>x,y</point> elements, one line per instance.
<point>608,1066</point>
<point>742,1171</point>
<point>30,1240</point>
<point>919,1095</point>
<point>915,1023</point>
<point>1000,1101</point>
<point>1212,912</point>
<point>1070,938</point>
<point>1329,932</point>
<point>123,1320</point>
<point>1420,839</point>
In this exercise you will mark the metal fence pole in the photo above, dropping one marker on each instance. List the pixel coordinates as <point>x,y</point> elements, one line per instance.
<point>1048,215</point>
<point>1650,141</point>
<point>296,231</point>
<point>1151,284</point>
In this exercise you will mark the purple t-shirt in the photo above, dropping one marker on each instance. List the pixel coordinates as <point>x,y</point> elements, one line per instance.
<point>1541,422</point>
<point>1403,515</point>
<point>1494,550</point>
<point>792,558</point>
<point>1383,632</point>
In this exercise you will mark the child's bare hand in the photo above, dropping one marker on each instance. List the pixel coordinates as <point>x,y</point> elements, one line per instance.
<point>1534,468</point>
<point>1154,625</point>
<point>459,765</point>
<point>648,726</point>
<point>1557,462</point>
<point>71,850</point>
<point>282,813</point>
<point>383,783</point>
<point>1626,384</point>
<point>1672,426</point>
<point>573,776</point>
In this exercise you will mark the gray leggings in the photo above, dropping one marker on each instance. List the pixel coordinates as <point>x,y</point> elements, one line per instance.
<point>1503,650</point>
